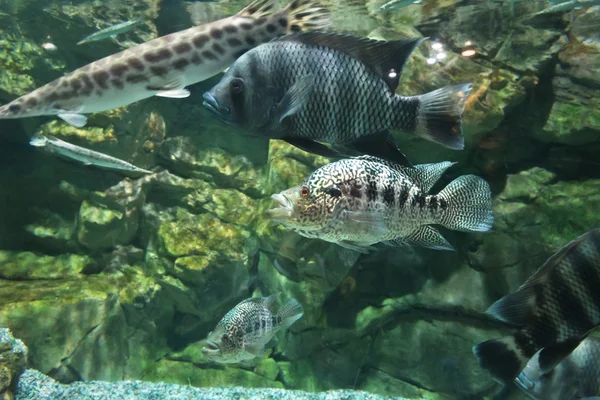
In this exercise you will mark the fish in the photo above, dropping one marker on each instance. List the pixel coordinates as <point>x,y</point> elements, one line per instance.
<point>396,4</point>
<point>248,328</point>
<point>54,145</point>
<point>365,200</point>
<point>164,66</point>
<point>568,6</point>
<point>575,376</point>
<point>559,303</point>
<point>111,31</point>
<point>313,87</point>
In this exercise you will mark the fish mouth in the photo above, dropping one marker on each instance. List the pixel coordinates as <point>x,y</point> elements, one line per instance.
<point>210,347</point>
<point>212,105</point>
<point>282,213</point>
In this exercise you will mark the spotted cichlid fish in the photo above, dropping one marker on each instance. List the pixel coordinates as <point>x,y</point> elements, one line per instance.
<point>559,304</point>
<point>316,87</point>
<point>86,156</point>
<point>575,376</point>
<point>365,200</point>
<point>244,331</point>
<point>164,66</point>
<point>110,31</point>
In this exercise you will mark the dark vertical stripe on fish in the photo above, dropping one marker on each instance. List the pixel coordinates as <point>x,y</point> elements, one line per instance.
<point>571,307</point>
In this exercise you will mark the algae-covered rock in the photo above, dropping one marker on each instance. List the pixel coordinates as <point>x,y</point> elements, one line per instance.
<point>53,231</point>
<point>105,327</point>
<point>13,360</point>
<point>186,373</point>
<point>31,266</point>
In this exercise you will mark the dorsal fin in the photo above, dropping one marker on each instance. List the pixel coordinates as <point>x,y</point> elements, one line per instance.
<point>385,58</point>
<point>257,9</point>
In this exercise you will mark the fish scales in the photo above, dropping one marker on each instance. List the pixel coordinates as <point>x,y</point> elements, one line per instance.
<point>163,66</point>
<point>365,200</point>
<point>344,110</point>
<point>559,302</point>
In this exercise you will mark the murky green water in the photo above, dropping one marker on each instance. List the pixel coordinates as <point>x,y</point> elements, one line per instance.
<point>117,275</point>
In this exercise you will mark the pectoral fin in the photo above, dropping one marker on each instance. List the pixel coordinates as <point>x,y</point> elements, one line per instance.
<point>174,94</point>
<point>77,120</point>
<point>295,98</point>
<point>173,88</point>
<point>257,350</point>
<point>364,223</point>
<point>355,246</point>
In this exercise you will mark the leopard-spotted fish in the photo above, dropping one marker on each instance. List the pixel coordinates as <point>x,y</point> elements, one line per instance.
<point>339,89</point>
<point>166,65</point>
<point>575,376</point>
<point>244,331</point>
<point>361,201</point>
<point>555,308</point>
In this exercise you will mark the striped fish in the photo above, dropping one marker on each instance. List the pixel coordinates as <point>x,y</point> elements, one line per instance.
<point>166,65</point>
<point>575,376</point>
<point>366,200</point>
<point>555,308</point>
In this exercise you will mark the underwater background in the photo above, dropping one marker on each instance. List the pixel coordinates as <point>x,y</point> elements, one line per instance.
<point>107,277</point>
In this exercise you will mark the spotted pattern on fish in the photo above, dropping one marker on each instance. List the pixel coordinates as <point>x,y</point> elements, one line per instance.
<point>560,301</point>
<point>383,204</point>
<point>126,77</point>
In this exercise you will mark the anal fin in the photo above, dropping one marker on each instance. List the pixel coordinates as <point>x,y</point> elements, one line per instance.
<point>428,237</point>
<point>355,246</point>
<point>311,146</point>
<point>77,120</point>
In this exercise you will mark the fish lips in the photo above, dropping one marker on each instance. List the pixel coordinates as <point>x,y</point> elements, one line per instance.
<point>212,105</point>
<point>283,213</point>
<point>210,348</point>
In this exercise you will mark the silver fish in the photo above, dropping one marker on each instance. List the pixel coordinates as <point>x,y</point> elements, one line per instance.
<point>339,89</point>
<point>245,331</point>
<point>54,145</point>
<point>396,4</point>
<point>113,30</point>
<point>362,201</point>
<point>164,66</point>
<point>568,6</point>
<point>558,304</point>
<point>575,376</point>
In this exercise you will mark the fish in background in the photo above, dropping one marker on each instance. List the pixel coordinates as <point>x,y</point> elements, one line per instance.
<point>362,201</point>
<point>166,65</point>
<point>575,376</point>
<point>397,4</point>
<point>54,145</point>
<point>568,6</point>
<point>111,31</point>
<point>557,306</point>
<point>339,89</point>
<point>247,329</point>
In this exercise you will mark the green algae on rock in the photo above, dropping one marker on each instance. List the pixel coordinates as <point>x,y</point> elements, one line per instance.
<point>31,266</point>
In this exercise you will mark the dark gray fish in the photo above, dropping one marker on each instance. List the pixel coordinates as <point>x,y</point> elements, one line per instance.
<point>365,200</point>
<point>315,87</point>
<point>245,331</point>
<point>574,377</point>
<point>559,304</point>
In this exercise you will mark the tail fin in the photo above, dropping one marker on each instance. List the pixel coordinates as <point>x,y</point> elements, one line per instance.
<point>439,116</point>
<point>258,9</point>
<point>469,204</point>
<point>307,15</point>
<point>290,312</point>
<point>501,357</point>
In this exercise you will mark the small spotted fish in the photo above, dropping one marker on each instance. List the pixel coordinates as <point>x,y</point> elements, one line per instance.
<point>166,65</point>
<point>111,31</point>
<point>54,145</point>
<point>248,328</point>
<point>362,201</point>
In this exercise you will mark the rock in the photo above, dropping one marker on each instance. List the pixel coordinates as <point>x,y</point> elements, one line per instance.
<point>53,231</point>
<point>102,326</point>
<point>13,360</point>
<point>36,386</point>
<point>574,118</point>
<point>31,266</point>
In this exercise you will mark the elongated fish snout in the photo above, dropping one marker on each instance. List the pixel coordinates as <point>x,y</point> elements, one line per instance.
<point>211,104</point>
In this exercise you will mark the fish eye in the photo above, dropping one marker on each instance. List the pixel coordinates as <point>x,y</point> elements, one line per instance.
<point>236,86</point>
<point>224,338</point>
<point>334,192</point>
<point>304,192</point>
